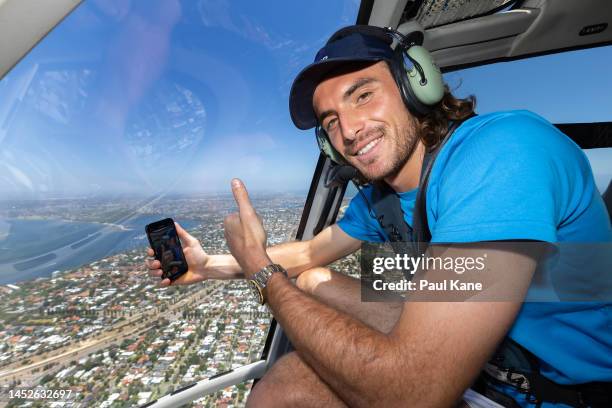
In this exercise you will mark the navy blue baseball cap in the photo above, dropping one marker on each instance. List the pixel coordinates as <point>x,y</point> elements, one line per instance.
<point>357,43</point>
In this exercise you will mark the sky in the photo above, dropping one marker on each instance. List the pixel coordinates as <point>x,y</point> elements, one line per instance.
<point>150,96</point>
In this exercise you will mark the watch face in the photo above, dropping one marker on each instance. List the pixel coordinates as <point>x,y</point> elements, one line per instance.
<point>256,292</point>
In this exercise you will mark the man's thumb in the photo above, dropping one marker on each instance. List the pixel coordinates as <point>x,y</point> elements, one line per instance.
<point>183,235</point>
<point>242,197</point>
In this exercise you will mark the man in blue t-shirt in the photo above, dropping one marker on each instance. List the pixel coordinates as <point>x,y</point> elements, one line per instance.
<point>499,177</point>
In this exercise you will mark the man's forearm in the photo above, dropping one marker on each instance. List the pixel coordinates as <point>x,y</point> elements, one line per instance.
<point>294,256</point>
<point>345,353</point>
<point>223,267</point>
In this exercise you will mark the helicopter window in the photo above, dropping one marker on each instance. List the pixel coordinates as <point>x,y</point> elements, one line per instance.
<point>127,113</point>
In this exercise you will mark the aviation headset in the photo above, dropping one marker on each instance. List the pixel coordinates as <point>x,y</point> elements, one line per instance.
<point>416,75</point>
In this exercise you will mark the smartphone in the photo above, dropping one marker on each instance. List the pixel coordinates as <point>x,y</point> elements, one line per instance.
<point>167,248</point>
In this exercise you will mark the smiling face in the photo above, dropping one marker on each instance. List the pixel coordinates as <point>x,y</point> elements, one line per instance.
<point>366,120</point>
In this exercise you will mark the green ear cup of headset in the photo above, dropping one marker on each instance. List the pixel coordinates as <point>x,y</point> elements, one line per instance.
<point>430,90</point>
<point>326,146</point>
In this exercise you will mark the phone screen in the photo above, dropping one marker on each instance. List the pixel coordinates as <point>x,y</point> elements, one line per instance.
<point>167,247</point>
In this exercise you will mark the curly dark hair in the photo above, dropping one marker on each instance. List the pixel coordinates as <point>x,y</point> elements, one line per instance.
<point>433,127</point>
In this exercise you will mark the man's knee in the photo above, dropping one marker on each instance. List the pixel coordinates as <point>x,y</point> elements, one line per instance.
<point>265,394</point>
<point>310,279</point>
<point>280,387</point>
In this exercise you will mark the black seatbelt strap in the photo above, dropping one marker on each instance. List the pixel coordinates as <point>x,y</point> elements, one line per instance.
<point>421,233</point>
<point>389,214</point>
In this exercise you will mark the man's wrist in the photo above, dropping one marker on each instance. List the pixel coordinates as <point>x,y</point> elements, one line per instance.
<point>256,265</point>
<point>260,280</point>
<point>207,267</point>
<point>221,266</point>
<point>272,282</point>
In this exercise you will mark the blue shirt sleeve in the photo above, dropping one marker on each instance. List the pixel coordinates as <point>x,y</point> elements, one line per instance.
<point>511,177</point>
<point>357,221</point>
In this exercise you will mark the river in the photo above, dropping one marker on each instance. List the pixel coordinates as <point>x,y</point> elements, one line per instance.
<point>33,248</point>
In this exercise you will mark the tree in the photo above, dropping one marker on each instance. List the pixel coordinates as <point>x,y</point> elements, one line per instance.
<point>46,378</point>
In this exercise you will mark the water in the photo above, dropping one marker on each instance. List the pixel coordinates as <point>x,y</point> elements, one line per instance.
<point>30,249</point>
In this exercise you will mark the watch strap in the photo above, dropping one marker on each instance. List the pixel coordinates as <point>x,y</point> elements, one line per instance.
<point>261,278</point>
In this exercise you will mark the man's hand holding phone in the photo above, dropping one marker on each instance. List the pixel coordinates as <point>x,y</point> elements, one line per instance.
<point>246,239</point>
<point>195,256</point>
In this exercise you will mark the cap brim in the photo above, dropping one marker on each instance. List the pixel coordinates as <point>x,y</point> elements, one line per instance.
<point>302,90</point>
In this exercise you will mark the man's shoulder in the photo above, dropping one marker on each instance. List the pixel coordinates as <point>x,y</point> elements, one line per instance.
<point>513,125</point>
<point>507,136</point>
<point>508,117</point>
<point>508,175</point>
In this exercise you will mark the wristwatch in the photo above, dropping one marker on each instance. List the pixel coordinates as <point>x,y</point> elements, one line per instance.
<point>260,280</point>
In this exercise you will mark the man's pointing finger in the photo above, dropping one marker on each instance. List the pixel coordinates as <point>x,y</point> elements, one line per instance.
<point>242,198</point>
